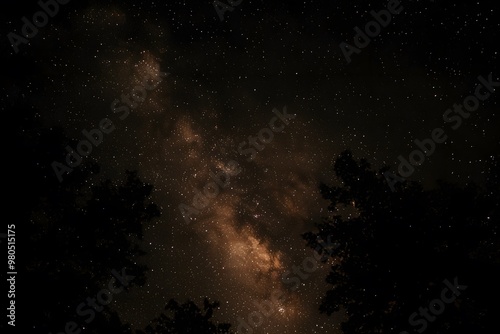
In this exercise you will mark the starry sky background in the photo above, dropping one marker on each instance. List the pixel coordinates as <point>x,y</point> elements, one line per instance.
<point>225,79</point>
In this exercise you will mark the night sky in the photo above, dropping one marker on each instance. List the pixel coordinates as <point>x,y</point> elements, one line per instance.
<point>220,82</point>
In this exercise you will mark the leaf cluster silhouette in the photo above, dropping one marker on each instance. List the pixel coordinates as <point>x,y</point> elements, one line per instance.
<point>396,248</point>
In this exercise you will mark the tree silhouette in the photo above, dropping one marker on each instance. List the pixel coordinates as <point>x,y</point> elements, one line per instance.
<point>397,248</point>
<point>187,318</point>
<point>75,232</point>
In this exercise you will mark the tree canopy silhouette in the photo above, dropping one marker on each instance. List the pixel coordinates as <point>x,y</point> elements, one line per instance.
<point>75,232</point>
<point>397,248</point>
<point>187,318</point>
